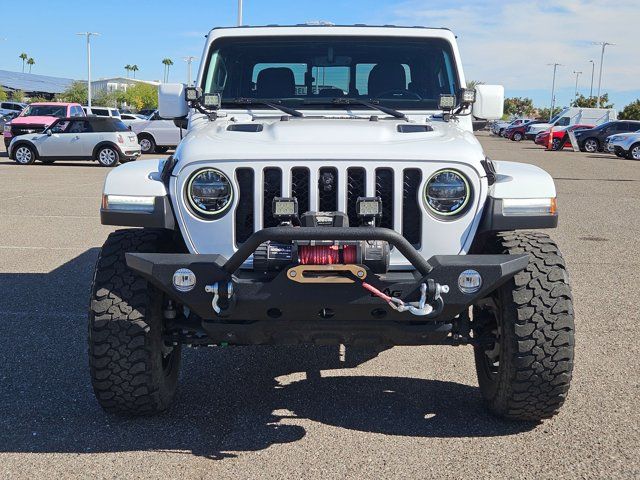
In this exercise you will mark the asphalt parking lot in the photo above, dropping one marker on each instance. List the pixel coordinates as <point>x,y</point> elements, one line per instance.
<point>411,412</point>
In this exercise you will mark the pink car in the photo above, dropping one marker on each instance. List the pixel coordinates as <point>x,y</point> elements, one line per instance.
<point>38,116</point>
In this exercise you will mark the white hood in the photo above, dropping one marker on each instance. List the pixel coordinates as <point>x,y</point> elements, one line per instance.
<point>337,137</point>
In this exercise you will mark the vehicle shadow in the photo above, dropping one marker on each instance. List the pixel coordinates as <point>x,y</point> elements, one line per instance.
<point>230,400</point>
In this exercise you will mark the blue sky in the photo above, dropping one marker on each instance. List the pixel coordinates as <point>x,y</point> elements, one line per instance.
<point>506,42</point>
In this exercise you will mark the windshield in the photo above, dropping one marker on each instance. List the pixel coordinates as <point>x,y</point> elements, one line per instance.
<point>302,72</point>
<point>59,111</point>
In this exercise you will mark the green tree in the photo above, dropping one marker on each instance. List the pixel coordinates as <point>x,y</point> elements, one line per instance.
<point>23,56</point>
<point>127,67</point>
<point>518,106</point>
<point>142,96</point>
<point>167,62</point>
<point>3,94</point>
<point>545,113</point>
<point>473,83</point>
<point>134,69</point>
<point>76,92</point>
<point>17,96</point>
<point>591,102</point>
<point>31,62</point>
<point>631,111</point>
<point>37,100</point>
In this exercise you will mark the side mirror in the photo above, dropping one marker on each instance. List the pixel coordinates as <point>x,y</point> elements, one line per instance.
<point>48,132</point>
<point>489,103</point>
<point>171,101</point>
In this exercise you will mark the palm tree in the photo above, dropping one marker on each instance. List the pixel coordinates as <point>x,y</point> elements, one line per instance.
<point>167,62</point>
<point>127,67</point>
<point>23,56</point>
<point>134,69</point>
<point>31,62</point>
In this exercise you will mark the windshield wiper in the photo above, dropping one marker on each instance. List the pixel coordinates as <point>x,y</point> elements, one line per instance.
<point>255,101</point>
<point>357,101</point>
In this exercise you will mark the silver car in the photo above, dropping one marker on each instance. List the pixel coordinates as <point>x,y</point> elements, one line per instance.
<point>626,145</point>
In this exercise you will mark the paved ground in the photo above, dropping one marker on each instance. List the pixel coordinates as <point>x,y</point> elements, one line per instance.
<point>252,412</point>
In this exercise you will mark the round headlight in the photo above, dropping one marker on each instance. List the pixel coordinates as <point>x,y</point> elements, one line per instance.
<point>209,192</point>
<point>447,192</point>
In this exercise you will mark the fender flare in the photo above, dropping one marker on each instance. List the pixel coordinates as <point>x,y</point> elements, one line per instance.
<point>105,143</point>
<point>25,142</point>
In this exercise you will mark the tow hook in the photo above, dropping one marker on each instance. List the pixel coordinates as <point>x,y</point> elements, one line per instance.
<point>218,294</point>
<point>420,308</point>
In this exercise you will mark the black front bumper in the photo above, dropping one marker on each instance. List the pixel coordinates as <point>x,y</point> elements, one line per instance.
<point>272,309</point>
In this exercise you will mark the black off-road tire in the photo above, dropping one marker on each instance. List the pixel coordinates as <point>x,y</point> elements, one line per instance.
<point>533,316</point>
<point>132,370</point>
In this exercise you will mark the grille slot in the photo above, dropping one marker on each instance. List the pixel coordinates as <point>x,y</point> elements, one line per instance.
<point>300,187</point>
<point>356,187</point>
<point>272,188</point>
<point>384,190</point>
<point>244,211</point>
<point>411,213</point>
<point>328,189</point>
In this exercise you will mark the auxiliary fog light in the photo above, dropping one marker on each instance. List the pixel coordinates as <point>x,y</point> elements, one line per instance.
<point>184,280</point>
<point>469,281</point>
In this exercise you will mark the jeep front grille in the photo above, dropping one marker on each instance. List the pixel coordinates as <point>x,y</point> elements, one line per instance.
<point>329,189</point>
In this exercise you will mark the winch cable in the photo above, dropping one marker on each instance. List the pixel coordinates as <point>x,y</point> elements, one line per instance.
<point>421,308</point>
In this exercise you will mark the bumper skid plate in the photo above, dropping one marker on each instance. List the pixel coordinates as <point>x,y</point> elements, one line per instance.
<point>267,309</point>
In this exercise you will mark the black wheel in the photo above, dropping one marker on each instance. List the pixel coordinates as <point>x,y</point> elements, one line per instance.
<point>517,137</point>
<point>108,156</point>
<point>24,154</point>
<point>133,371</point>
<point>557,144</point>
<point>147,143</point>
<point>525,332</point>
<point>591,145</point>
<point>634,152</point>
<point>501,132</point>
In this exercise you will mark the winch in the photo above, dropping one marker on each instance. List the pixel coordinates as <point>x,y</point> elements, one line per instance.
<point>275,256</point>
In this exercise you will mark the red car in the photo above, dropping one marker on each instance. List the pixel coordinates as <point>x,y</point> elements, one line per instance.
<point>558,135</point>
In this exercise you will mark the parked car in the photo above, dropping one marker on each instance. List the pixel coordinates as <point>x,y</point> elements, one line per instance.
<point>498,127</point>
<point>146,112</point>
<point>102,111</point>
<point>38,116</point>
<point>571,116</point>
<point>516,132</point>
<point>105,140</point>
<point>157,135</point>
<point>11,107</point>
<point>626,145</point>
<point>129,119</point>
<point>6,118</point>
<point>267,227</point>
<point>560,136</point>
<point>593,139</point>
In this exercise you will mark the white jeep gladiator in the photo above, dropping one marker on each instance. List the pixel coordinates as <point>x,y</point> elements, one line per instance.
<point>329,190</point>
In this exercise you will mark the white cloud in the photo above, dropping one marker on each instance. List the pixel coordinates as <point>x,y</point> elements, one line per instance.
<point>511,42</point>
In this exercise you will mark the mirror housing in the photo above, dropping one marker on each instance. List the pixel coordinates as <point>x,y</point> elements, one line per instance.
<point>489,104</point>
<point>171,101</point>
<point>48,132</point>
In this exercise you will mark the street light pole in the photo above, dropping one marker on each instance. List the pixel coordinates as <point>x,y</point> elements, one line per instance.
<point>593,68</point>
<point>88,35</point>
<point>553,89</point>
<point>189,60</point>
<point>577,74</point>
<point>603,44</point>
<point>239,13</point>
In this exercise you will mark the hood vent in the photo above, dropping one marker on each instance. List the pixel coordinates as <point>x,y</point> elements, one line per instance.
<point>245,127</point>
<point>413,128</point>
